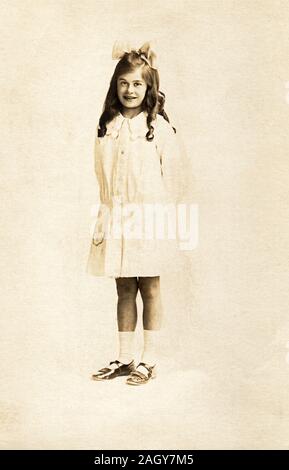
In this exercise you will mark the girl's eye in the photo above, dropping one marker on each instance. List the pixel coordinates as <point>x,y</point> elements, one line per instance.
<point>136,84</point>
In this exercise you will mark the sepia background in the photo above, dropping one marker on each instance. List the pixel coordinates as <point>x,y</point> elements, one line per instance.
<point>223,377</point>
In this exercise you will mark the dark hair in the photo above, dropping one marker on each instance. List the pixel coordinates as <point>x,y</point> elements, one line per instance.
<point>153,101</point>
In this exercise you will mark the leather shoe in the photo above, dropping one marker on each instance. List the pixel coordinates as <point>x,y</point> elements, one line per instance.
<point>108,373</point>
<point>139,378</point>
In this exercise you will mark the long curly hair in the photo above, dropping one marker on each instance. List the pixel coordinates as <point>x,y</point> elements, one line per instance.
<point>153,101</point>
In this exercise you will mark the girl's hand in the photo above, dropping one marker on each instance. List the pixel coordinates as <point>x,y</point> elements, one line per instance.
<point>97,238</point>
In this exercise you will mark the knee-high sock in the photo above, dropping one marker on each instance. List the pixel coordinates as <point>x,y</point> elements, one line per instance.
<point>150,350</point>
<point>126,346</point>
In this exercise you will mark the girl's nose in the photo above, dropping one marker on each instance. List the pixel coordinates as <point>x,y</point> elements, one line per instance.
<point>130,88</point>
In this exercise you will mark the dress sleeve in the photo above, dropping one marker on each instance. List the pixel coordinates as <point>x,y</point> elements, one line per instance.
<point>173,163</point>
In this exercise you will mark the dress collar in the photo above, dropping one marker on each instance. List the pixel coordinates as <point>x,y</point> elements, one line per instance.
<point>137,125</point>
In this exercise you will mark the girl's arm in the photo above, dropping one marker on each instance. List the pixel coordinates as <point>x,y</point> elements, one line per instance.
<point>97,163</point>
<point>98,233</point>
<point>173,163</point>
<point>177,177</point>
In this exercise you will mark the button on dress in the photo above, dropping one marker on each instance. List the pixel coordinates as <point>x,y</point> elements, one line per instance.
<point>133,175</point>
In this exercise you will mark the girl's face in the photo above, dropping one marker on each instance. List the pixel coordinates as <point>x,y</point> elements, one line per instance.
<point>131,89</point>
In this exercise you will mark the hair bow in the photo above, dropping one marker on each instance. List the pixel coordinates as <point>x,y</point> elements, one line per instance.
<point>145,52</point>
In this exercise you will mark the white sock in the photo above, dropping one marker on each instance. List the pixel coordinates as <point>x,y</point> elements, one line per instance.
<point>150,350</point>
<point>126,346</point>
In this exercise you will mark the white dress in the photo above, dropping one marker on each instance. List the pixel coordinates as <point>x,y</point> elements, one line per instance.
<point>135,176</point>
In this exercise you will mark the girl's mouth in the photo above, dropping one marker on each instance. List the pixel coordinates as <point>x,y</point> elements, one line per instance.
<point>130,98</point>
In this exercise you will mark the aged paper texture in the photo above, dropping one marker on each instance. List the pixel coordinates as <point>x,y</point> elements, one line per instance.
<point>223,375</point>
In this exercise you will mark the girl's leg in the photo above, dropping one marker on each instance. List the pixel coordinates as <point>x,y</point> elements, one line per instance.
<point>127,288</point>
<point>152,317</point>
<point>152,307</point>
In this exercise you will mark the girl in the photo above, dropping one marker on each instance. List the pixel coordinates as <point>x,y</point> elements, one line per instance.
<point>134,151</point>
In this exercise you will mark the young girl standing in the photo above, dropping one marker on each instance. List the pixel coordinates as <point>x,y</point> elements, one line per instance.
<point>134,148</point>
